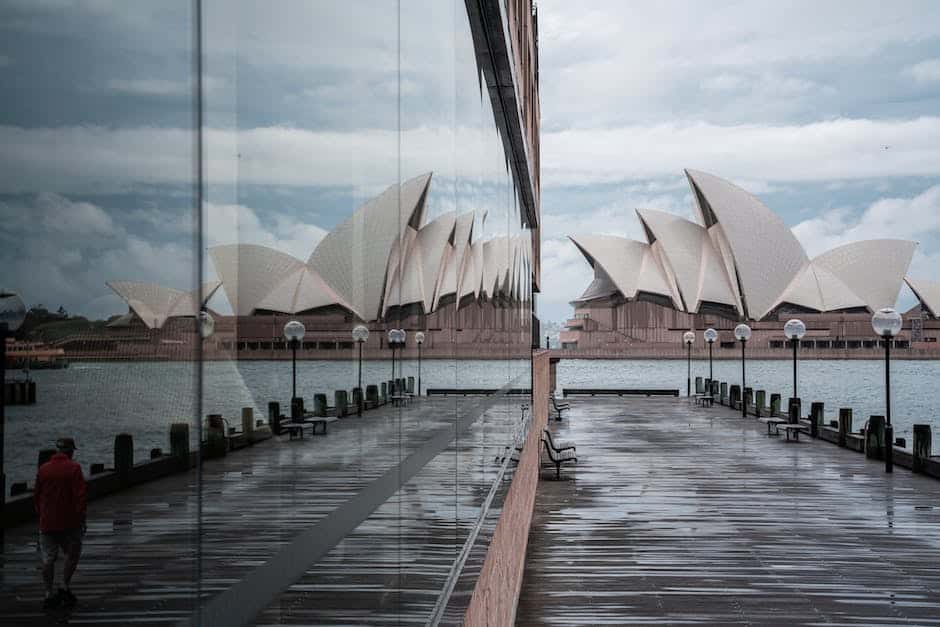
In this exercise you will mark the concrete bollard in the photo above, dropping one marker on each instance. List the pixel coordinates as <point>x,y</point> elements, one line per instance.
<point>734,396</point>
<point>96,469</point>
<point>817,412</point>
<point>699,386</point>
<point>319,405</point>
<point>922,447</point>
<point>775,405</point>
<point>384,394</point>
<point>372,395</point>
<point>179,442</point>
<point>357,398</point>
<point>794,409</point>
<point>297,408</point>
<point>248,420</point>
<point>760,402</point>
<point>707,386</point>
<point>341,404</point>
<point>723,393</point>
<point>123,454</point>
<point>411,385</point>
<point>845,425</point>
<point>875,437</point>
<point>31,392</point>
<point>391,389</point>
<point>44,456</point>
<point>748,398</point>
<point>715,387</point>
<point>274,417</point>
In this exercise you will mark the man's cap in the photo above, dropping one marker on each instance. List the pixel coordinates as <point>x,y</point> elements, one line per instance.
<point>65,444</point>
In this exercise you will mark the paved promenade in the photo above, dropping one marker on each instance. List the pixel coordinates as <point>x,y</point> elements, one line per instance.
<point>359,526</point>
<point>681,515</point>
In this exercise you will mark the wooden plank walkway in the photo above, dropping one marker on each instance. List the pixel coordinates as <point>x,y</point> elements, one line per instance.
<point>682,515</point>
<point>140,561</point>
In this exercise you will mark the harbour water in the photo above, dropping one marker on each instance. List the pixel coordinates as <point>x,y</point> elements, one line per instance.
<point>93,402</point>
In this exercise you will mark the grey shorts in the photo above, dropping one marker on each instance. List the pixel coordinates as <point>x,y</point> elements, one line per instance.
<point>70,541</point>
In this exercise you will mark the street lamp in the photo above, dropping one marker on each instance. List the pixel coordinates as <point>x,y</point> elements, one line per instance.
<point>12,314</point>
<point>794,330</point>
<point>743,333</point>
<point>360,334</point>
<point>419,340</point>
<point>689,338</point>
<point>294,333</point>
<point>711,335</point>
<point>887,324</point>
<point>396,339</point>
<point>206,324</point>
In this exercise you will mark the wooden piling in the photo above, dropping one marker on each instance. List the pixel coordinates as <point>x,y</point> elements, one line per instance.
<point>723,393</point>
<point>372,395</point>
<point>760,401</point>
<point>699,385</point>
<point>248,419</point>
<point>123,454</point>
<point>817,412</point>
<point>875,437</point>
<point>341,403</point>
<point>319,405</point>
<point>179,442</point>
<point>922,447</point>
<point>845,425</point>
<point>357,398</point>
<point>794,409</point>
<point>774,404</point>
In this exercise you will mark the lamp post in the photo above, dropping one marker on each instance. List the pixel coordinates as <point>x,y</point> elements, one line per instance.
<point>794,330</point>
<point>360,334</point>
<point>294,333</point>
<point>419,340</point>
<point>887,324</point>
<point>710,336</point>
<point>206,324</point>
<point>12,314</point>
<point>689,338</point>
<point>743,333</point>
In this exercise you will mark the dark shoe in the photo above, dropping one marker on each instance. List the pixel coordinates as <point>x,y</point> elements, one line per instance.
<point>52,602</point>
<point>66,598</point>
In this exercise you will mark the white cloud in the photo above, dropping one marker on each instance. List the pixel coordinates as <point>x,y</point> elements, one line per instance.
<point>162,87</point>
<point>927,71</point>
<point>79,158</point>
<point>819,151</point>
<point>916,218</point>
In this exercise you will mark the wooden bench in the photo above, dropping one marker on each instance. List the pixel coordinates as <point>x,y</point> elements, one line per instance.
<point>561,447</point>
<point>558,407</point>
<point>296,427</point>
<point>795,429</point>
<point>772,424</point>
<point>704,400</point>
<point>557,459</point>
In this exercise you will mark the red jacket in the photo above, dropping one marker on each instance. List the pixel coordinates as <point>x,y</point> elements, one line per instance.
<point>59,497</point>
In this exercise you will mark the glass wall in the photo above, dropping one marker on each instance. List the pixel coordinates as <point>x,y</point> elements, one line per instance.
<point>266,250</point>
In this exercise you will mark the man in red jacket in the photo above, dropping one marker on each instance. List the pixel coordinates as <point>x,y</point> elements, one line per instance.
<point>60,504</point>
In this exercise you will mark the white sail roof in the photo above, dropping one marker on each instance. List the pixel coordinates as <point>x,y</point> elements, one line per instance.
<point>872,269</point>
<point>154,304</point>
<point>354,257</point>
<point>300,290</point>
<point>765,255</point>
<point>249,271</point>
<point>927,292</point>
<point>629,264</point>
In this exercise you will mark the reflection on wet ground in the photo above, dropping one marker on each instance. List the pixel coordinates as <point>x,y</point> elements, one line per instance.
<point>680,515</point>
<point>140,559</point>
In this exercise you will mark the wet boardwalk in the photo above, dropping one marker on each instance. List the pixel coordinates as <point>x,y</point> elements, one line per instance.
<point>374,514</point>
<point>680,515</point>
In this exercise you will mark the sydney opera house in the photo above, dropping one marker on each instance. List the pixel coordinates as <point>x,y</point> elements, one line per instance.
<point>739,261</point>
<point>386,265</point>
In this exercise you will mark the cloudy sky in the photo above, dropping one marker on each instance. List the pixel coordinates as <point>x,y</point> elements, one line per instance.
<point>830,116</point>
